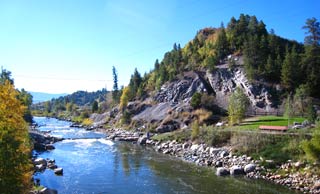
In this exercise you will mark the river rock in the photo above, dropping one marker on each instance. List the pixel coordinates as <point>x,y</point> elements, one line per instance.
<point>185,145</point>
<point>218,164</point>
<point>249,168</point>
<point>224,154</point>
<point>58,171</point>
<point>52,166</point>
<point>142,140</point>
<point>40,161</point>
<point>236,170</point>
<point>194,147</point>
<point>221,171</point>
<point>40,167</point>
<point>316,186</point>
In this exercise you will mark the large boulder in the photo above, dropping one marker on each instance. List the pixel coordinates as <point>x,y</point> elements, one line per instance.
<point>249,168</point>
<point>40,167</point>
<point>58,171</point>
<point>40,161</point>
<point>236,170</point>
<point>222,171</point>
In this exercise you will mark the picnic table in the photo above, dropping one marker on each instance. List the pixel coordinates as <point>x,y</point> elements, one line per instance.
<point>273,128</point>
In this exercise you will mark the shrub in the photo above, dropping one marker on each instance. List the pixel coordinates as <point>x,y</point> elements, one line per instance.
<point>214,137</point>
<point>312,147</point>
<point>87,122</point>
<point>202,115</point>
<point>196,100</point>
<point>126,117</point>
<point>195,130</point>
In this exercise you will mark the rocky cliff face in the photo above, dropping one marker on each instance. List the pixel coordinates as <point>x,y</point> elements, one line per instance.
<point>224,81</point>
<point>175,96</point>
<point>170,108</point>
<point>221,83</point>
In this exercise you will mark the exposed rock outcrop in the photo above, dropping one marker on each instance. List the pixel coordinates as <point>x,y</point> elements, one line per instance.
<point>43,141</point>
<point>224,81</point>
<point>174,97</point>
<point>182,89</point>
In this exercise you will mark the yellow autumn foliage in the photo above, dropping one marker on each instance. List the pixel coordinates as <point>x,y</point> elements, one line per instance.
<point>15,165</point>
<point>124,99</point>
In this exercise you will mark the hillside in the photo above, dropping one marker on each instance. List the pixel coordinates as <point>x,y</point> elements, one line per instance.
<point>41,97</point>
<point>72,105</point>
<point>267,68</point>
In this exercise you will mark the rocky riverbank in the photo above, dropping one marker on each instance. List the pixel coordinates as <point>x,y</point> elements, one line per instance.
<point>43,141</point>
<point>226,163</point>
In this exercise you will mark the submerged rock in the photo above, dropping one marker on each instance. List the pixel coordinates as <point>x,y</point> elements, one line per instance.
<point>48,191</point>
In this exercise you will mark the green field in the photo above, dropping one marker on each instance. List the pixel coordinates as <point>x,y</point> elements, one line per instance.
<point>253,123</point>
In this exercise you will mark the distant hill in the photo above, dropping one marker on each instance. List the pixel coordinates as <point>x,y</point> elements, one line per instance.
<point>41,97</point>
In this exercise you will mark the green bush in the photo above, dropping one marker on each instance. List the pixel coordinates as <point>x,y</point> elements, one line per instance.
<point>215,137</point>
<point>312,147</point>
<point>196,100</point>
<point>126,117</point>
<point>195,130</point>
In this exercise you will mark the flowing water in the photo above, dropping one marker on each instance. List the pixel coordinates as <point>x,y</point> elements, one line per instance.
<point>92,164</point>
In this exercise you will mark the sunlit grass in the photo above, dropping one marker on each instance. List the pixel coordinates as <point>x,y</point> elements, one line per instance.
<point>253,123</point>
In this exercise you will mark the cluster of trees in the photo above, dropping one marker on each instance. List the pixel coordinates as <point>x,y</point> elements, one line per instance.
<point>22,95</point>
<point>15,148</point>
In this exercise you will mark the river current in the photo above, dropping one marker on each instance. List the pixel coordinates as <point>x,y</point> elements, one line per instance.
<point>93,164</point>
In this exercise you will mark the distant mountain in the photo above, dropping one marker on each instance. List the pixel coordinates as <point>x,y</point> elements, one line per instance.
<point>41,97</point>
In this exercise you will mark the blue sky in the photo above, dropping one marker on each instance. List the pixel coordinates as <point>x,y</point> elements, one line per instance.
<point>61,46</point>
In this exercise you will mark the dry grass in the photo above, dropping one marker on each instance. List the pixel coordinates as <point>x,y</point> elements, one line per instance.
<point>202,115</point>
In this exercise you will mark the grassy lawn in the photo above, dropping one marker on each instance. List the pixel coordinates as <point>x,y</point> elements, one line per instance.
<point>253,123</point>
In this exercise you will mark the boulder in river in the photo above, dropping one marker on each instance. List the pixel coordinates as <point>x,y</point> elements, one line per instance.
<point>40,167</point>
<point>58,171</point>
<point>40,161</point>
<point>221,171</point>
<point>52,166</point>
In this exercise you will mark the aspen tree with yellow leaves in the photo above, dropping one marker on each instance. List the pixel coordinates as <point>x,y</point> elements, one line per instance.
<point>15,164</point>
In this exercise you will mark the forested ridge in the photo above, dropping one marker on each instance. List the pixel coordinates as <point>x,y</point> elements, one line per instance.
<point>267,56</point>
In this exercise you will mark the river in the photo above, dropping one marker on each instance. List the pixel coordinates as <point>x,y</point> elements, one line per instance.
<point>93,164</point>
